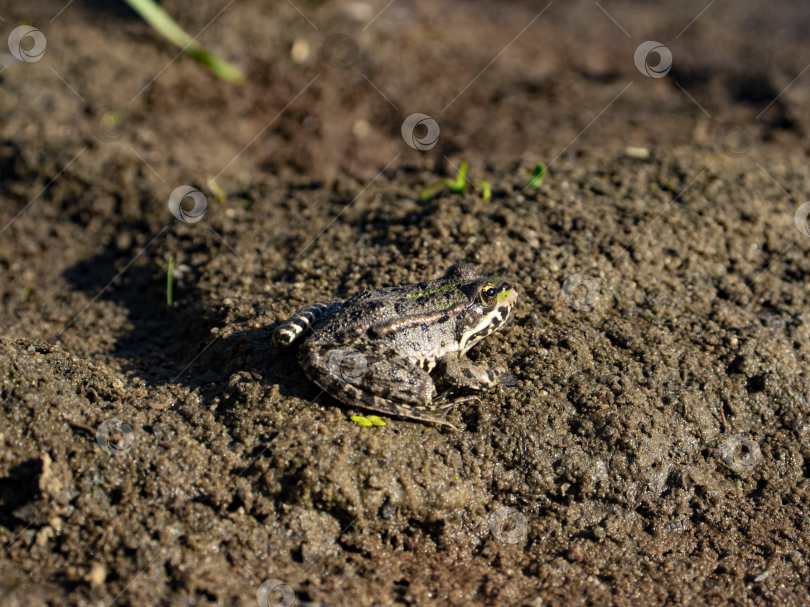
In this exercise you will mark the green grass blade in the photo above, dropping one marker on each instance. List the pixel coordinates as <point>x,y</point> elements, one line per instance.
<point>486,193</point>
<point>170,281</point>
<point>159,19</point>
<point>537,176</point>
<point>428,191</point>
<point>457,186</point>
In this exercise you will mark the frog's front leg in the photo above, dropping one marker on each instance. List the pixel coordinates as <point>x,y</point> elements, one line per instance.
<point>465,374</point>
<point>389,384</point>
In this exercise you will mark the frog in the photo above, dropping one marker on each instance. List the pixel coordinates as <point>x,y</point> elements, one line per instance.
<point>387,350</point>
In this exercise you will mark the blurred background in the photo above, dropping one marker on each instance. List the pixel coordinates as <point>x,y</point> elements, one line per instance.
<point>505,81</point>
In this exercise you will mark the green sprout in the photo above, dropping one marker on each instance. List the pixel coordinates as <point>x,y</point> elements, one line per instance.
<point>359,419</point>
<point>457,185</point>
<point>536,179</point>
<point>486,194</point>
<point>159,19</point>
<point>368,421</point>
<point>219,195</point>
<point>169,281</point>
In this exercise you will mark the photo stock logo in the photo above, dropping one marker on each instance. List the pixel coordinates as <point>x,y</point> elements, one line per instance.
<point>200,203</point>
<point>115,437</point>
<point>270,591</point>
<point>739,453</point>
<point>108,123</point>
<point>347,365</point>
<point>508,525</point>
<point>15,43</point>
<point>733,139</point>
<point>642,59</point>
<point>581,292</point>
<point>800,218</point>
<point>429,140</point>
<point>340,51</point>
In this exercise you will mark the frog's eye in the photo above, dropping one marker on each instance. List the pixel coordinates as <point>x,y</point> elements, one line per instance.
<point>488,294</point>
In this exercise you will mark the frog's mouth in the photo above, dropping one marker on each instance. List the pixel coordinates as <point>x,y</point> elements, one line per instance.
<point>491,321</point>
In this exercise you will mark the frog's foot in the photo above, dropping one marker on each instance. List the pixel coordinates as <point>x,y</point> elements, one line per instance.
<point>300,323</point>
<point>451,399</point>
<point>388,384</point>
<point>464,374</point>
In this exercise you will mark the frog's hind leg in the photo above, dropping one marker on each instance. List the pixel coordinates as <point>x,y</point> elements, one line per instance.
<point>381,382</point>
<point>300,323</point>
<point>434,415</point>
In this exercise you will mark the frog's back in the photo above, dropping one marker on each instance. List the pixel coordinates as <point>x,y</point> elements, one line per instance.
<point>355,316</point>
<point>418,322</point>
<point>390,316</point>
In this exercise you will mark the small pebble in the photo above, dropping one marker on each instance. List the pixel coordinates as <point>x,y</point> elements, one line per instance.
<point>300,51</point>
<point>97,575</point>
<point>761,577</point>
<point>637,153</point>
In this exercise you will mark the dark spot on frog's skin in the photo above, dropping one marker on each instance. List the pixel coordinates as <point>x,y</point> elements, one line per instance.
<point>467,373</point>
<point>503,311</point>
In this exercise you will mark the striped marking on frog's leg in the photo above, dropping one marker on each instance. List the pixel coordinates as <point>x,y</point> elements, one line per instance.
<point>300,323</point>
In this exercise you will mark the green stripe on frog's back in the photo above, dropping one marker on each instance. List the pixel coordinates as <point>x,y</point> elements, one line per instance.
<point>441,289</point>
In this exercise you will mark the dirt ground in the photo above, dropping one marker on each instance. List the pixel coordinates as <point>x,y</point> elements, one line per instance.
<point>656,449</point>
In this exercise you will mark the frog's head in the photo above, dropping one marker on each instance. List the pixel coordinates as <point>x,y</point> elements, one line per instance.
<point>492,301</point>
<point>477,305</point>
